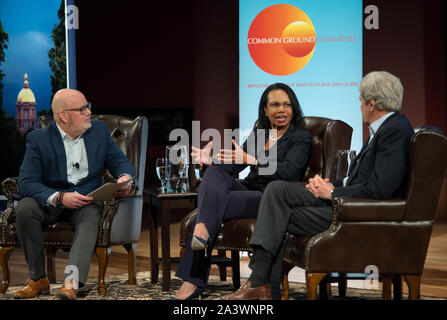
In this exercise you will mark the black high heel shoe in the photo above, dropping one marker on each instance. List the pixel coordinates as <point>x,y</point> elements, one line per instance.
<point>197,293</point>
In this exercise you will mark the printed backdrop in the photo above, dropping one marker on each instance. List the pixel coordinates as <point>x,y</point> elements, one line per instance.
<point>314,46</point>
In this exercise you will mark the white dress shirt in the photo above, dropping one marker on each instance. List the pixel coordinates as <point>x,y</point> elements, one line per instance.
<point>77,162</point>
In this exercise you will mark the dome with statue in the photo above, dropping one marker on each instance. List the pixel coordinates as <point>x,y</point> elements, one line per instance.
<point>26,108</point>
<point>26,94</point>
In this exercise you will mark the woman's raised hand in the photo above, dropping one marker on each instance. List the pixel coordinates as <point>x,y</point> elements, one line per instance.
<point>202,156</point>
<point>237,156</point>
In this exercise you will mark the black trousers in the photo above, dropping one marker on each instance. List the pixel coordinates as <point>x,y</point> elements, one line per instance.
<point>31,217</point>
<point>287,207</point>
<point>220,197</point>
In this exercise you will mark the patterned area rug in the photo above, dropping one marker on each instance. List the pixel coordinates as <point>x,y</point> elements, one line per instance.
<point>118,289</point>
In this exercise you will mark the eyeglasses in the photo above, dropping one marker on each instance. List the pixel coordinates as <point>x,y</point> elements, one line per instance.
<point>82,109</point>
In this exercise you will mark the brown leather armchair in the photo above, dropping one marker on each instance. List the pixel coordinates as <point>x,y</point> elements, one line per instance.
<point>327,137</point>
<point>392,235</point>
<point>121,218</point>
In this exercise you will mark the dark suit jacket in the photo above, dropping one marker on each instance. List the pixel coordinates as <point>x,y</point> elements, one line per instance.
<point>44,167</point>
<point>293,153</point>
<point>383,163</point>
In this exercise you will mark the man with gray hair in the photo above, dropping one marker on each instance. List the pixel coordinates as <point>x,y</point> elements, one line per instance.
<point>378,172</point>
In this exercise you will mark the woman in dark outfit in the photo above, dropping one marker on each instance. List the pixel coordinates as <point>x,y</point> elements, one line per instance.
<point>221,197</point>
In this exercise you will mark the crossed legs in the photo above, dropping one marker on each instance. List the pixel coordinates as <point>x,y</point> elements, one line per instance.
<point>285,207</point>
<point>220,198</point>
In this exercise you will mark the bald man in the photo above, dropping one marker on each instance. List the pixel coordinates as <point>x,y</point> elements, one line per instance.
<point>61,166</point>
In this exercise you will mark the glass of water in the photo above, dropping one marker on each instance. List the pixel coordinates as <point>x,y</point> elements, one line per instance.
<point>162,168</point>
<point>178,162</point>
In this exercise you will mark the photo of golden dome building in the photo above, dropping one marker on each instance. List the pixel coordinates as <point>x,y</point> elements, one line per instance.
<point>26,108</point>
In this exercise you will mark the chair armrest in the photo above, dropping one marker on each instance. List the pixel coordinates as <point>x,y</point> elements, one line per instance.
<point>10,188</point>
<point>186,227</point>
<point>105,226</point>
<point>358,209</point>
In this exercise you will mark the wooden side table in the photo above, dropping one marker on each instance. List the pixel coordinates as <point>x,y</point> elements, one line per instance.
<point>160,205</point>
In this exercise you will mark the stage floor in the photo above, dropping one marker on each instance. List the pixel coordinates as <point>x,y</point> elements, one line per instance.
<point>434,278</point>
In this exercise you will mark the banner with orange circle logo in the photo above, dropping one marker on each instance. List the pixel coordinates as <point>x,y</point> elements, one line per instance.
<point>314,46</point>
<point>281,39</point>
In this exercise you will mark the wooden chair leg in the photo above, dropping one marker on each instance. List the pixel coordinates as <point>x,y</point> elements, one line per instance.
<point>397,287</point>
<point>132,262</point>
<point>4,256</point>
<point>153,242</point>
<point>286,268</point>
<point>222,268</point>
<point>285,287</point>
<point>323,288</point>
<point>312,282</point>
<point>342,285</point>
<point>414,286</point>
<point>103,257</point>
<point>386,286</point>
<point>236,270</point>
<point>51,263</point>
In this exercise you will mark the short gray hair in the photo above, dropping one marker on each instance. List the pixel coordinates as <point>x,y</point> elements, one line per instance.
<point>386,90</point>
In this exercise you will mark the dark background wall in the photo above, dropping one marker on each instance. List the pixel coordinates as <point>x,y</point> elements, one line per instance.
<point>411,43</point>
<point>179,59</point>
<point>184,54</point>
<point>137,55</point>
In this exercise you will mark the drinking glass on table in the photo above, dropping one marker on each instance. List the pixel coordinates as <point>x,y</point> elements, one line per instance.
<point>178,163</point>
<point>197,171</point>
<point>162,168</point>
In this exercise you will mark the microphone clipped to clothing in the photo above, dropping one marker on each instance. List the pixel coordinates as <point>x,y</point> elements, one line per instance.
<point>76,165</point>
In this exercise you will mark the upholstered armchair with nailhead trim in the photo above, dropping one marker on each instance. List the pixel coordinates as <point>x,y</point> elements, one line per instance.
<point>328,136</point>
<point>391,235</point>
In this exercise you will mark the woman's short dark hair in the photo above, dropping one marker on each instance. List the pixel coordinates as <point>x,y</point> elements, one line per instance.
<point>297,118</point>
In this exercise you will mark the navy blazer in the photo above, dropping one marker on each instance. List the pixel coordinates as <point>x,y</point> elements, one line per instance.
<point>44,167</point>
<point>382,168</point>
<point>293,154</point>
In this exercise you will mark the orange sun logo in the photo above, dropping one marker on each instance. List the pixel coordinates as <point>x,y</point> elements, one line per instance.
<point>281,39</point>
